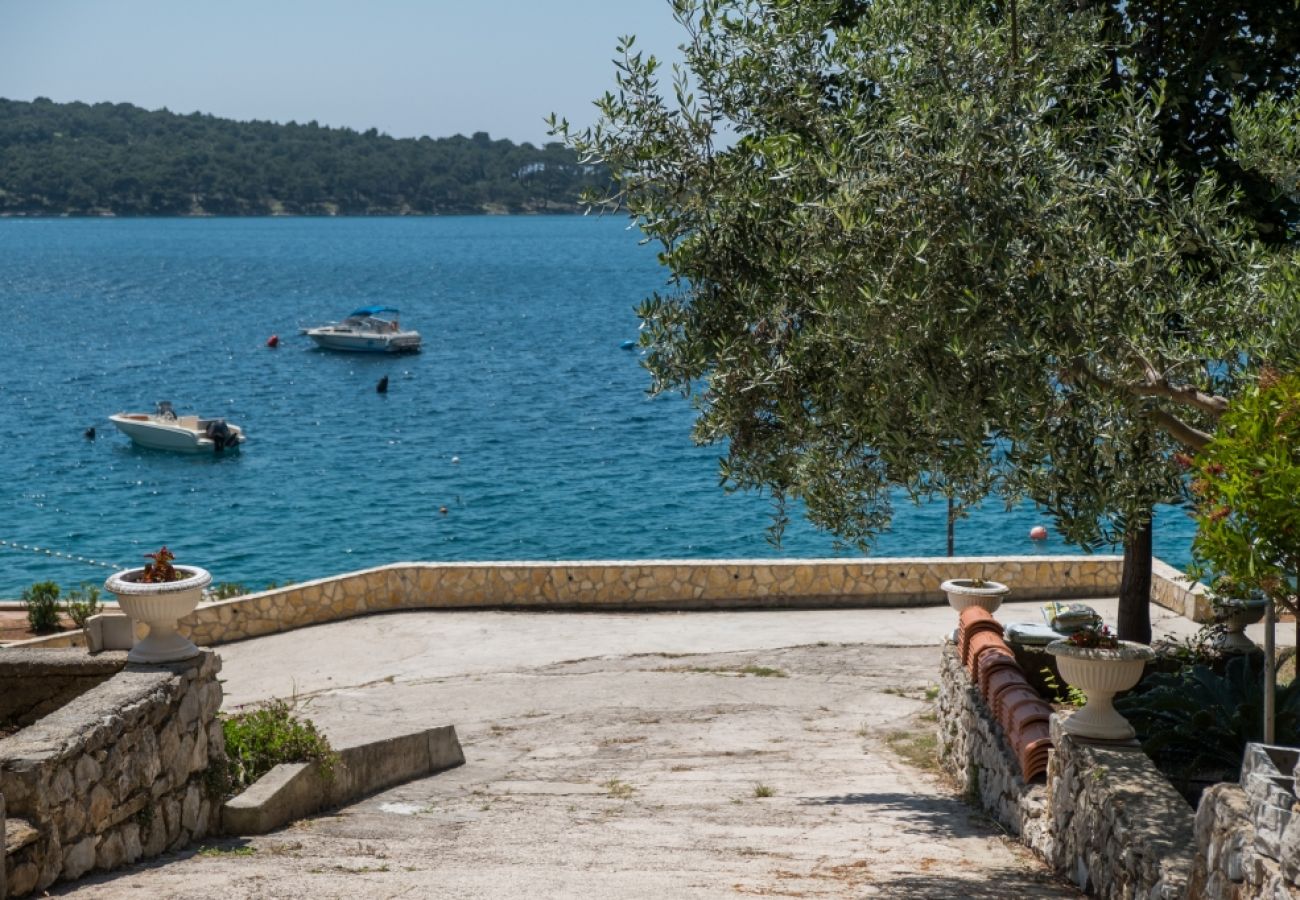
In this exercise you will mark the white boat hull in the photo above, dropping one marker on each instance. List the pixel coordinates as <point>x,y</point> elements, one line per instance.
<point>365,342</point>
<point>185,434</point>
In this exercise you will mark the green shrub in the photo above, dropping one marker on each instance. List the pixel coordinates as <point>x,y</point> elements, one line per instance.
<point>1194,723</point>
<point>262,738</point>
<point>228,590</point>
<point>83,603</point>
<point>41,601</point>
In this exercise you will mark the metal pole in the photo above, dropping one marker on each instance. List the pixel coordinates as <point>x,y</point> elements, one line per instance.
<point>1270,667</point>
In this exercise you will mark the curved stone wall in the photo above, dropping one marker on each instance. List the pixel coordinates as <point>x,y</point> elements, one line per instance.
<point>643,585</point>
<point>635,585</point>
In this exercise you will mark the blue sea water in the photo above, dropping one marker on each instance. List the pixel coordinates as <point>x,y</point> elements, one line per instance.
<point>561,454</point>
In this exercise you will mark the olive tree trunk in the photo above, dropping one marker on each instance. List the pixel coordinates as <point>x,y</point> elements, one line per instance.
<point>1134,617</point>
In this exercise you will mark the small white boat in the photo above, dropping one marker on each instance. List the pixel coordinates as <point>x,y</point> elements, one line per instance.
<point>370,329</point>
<point>162,429</point>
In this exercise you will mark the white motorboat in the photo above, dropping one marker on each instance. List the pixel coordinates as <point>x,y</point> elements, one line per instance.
<point>370,329</point>
<point>162,429</point>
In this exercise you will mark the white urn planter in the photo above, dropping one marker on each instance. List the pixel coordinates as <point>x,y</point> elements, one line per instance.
<point>966,592</point>
<point>160,606</point>
<point>1236,615</point>
<point>1101,674</point>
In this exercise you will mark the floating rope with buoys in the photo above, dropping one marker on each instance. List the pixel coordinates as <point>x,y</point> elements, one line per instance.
<point>46,551</point>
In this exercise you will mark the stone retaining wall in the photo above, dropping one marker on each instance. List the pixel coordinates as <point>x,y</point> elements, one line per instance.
<point>1105,818</point>
<point>1173,590</point>
<point>1248,835</point>
<point>655,584</point>
<point>647,585</point>
<point>37,682</point>
<point>975,752</point>
<point>115,775</point>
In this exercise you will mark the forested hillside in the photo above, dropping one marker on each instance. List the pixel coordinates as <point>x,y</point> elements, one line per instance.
<point>80,159</point>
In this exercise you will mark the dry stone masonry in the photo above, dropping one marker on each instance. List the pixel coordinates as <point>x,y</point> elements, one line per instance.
<point>1248,834</point>
<point>687,584</point>
<point>644,585</point>
<point>1105,817</point>
<point>117,774</point>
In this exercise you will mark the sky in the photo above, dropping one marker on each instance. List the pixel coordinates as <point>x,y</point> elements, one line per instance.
<point>408,68</point>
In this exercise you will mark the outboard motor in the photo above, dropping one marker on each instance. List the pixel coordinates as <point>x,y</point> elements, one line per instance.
<point>220,434</point>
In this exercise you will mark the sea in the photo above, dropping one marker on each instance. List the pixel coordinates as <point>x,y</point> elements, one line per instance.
<point>523,431</point>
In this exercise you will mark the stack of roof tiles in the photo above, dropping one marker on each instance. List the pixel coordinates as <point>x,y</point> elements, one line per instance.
<point>1022,714</point>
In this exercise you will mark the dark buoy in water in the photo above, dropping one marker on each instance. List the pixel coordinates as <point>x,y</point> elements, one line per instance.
<point>89,433</point>
<point>443,510</point>
<point>382,387</point>
<point>273,341</point>
<point>627,345</point>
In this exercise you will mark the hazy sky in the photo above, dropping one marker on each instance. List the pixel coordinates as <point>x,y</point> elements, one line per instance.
<point>437,67</point>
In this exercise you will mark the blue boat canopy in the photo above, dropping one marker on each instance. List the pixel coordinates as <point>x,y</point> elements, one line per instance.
<point>372,311</point>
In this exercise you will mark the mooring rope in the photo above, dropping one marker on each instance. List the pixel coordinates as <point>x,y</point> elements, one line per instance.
<point>46,551</point>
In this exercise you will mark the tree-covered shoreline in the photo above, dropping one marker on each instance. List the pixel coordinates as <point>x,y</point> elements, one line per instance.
<point>105,159</point>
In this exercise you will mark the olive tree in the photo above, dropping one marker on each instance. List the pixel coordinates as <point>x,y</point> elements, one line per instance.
<point>927,245</point>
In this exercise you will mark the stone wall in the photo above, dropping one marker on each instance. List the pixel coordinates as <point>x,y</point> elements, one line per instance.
<point>37,682</point>
<point>1105,818</point>
<point>115,775</point>
<point>1121,829</point>
<point>1248,835</point>
<point>666,585</point>
<point>975,752</point>
<point>1173,590</point>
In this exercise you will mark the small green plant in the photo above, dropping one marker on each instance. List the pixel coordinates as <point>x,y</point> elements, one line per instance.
<point>619,790</point>
<point>764,790</point>
<point>240,850</point>
<point>1200,649</point>
<point>83,603</point>
<point>41,601</point>
<point>762,672</point>
<point>1066,695</point>
<point>262,738</point>
<point>159,569</point>
<point>228,590</point>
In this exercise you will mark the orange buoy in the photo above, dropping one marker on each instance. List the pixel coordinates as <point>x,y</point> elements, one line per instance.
<point>1038,533</point>
<point>273,341</point>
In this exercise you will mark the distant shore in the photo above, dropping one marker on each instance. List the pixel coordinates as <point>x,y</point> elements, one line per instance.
<point>555,210</point>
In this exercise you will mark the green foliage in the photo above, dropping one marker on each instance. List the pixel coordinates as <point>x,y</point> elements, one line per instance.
<point>1066,695</point>
<point>74,158</point>
<point>1246,483</point>
<point>1195,723</point>
<point>263,738</point>
<point>1200,649</point>
<point>1196,54</point>
<point>228,590</point>
<point>41,601</point>
<point>83,603</point>
<point>931,245</point>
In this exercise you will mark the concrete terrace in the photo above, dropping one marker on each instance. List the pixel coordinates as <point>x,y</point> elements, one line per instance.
<point>632,755</point>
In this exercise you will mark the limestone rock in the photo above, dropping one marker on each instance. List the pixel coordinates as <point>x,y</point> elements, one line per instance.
<point>79,858</point>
